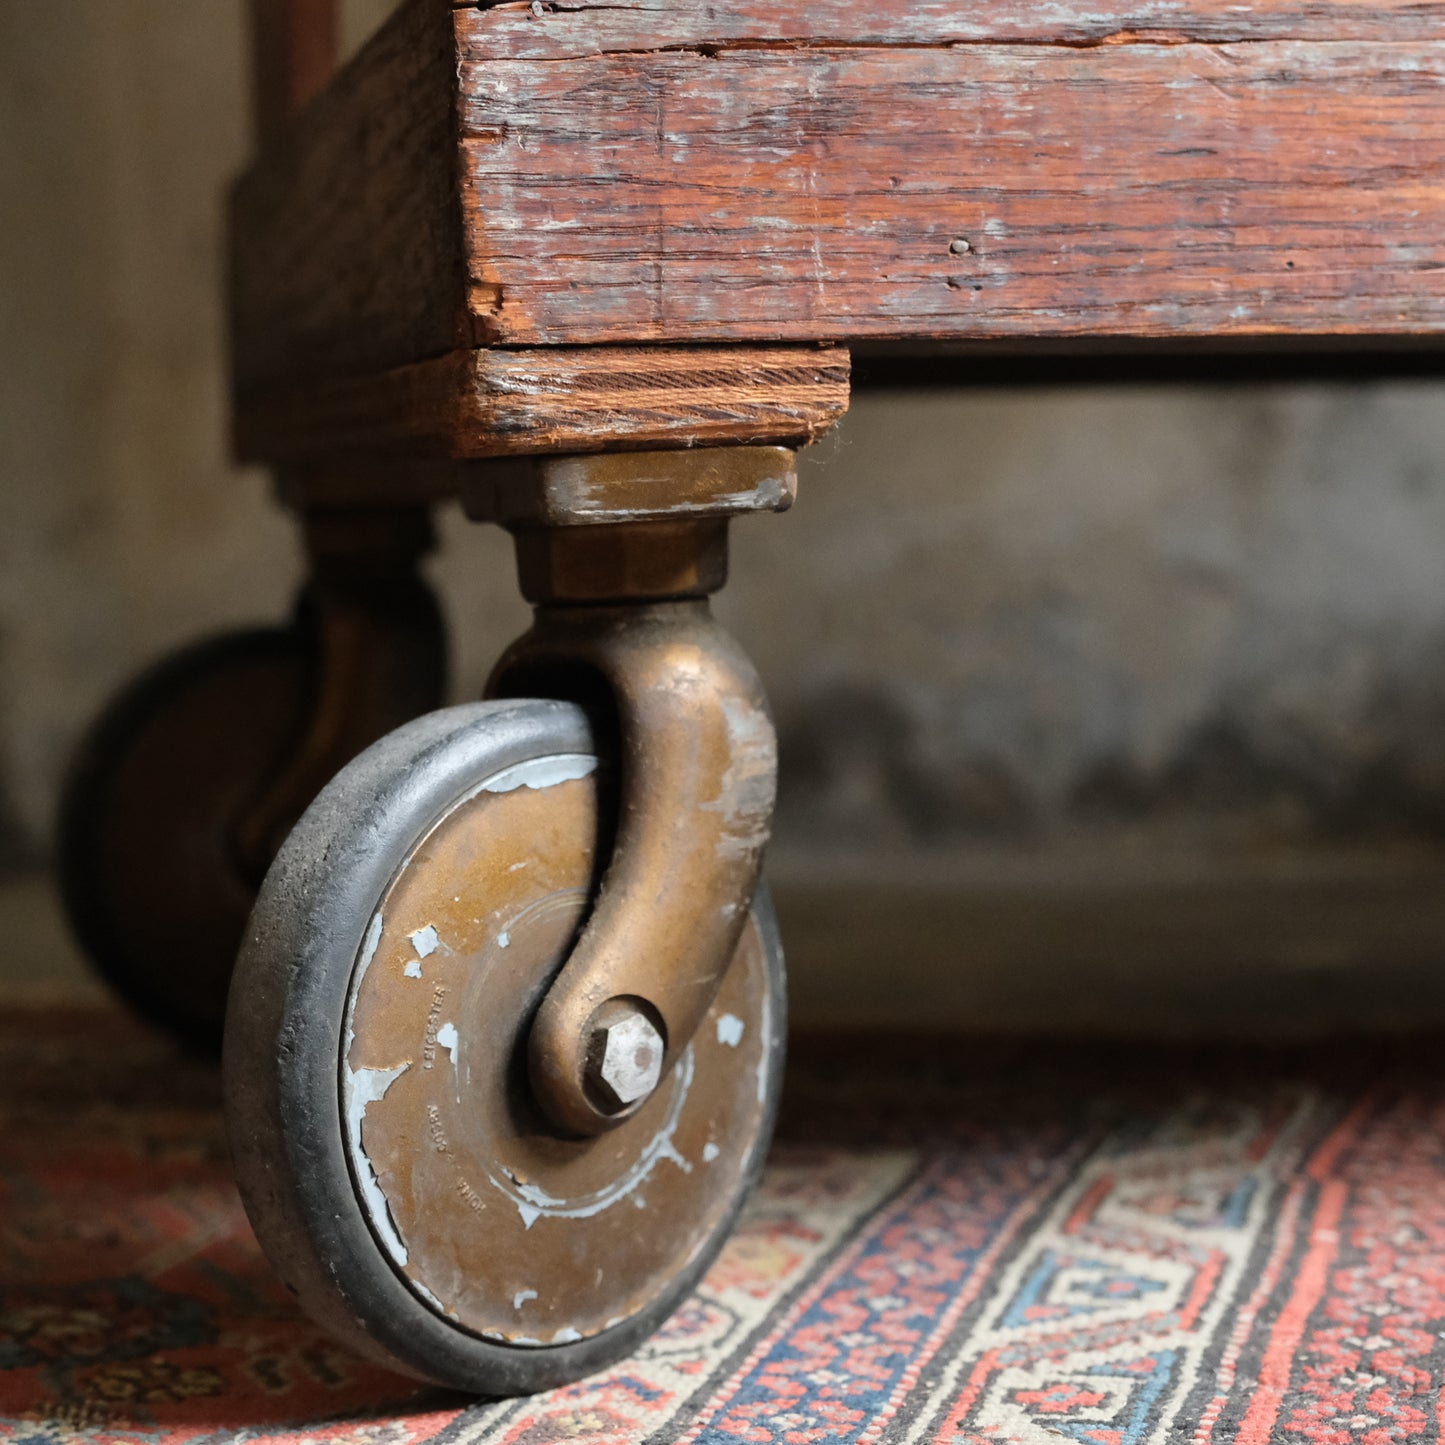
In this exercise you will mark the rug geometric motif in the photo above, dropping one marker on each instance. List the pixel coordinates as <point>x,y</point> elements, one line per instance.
<point>1032,1245</point>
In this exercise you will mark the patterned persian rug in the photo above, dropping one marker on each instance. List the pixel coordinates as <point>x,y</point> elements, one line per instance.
<point>1026,1243</point>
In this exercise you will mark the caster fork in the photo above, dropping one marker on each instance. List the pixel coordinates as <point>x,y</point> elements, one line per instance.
<point>620,554</point>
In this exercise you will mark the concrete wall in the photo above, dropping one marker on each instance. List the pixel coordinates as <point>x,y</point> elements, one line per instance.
<point>126,529</point>
<point>993,617</point>
<point>1013,614</point>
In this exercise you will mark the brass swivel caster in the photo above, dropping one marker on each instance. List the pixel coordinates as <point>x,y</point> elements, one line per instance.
<point>183,789</point>
<point>505,1042</point>
<point>395,1163</point>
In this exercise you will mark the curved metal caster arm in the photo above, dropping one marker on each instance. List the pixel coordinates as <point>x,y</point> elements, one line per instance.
<point>699,776</point>
<point>626,603</point>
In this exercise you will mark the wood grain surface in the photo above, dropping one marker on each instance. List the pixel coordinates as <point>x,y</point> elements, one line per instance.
<point>485,403</point>
<point>679,173</point>
<point>522,30</point>
<point>1150,186</point>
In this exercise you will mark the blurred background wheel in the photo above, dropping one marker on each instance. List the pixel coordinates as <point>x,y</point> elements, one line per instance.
<point>152,883</point>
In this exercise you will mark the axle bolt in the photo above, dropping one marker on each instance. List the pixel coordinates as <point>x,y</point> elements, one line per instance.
<point>624,1063</point>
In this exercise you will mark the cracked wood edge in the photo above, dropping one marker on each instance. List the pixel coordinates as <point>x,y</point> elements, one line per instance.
<point>573,29</point>
<point>490,403</point>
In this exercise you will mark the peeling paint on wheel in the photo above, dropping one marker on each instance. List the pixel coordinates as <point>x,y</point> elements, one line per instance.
<point>495,1223</point>
<point>361,1088</point>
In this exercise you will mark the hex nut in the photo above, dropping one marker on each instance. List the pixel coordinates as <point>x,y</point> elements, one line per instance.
<point>628,1059</point>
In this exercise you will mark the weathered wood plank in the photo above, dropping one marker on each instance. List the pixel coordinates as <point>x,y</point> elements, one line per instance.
<point>977,191</point>
<point>345,237</point>
<point>525,30</point>
<point>604,173</point>
<point>504,403</point>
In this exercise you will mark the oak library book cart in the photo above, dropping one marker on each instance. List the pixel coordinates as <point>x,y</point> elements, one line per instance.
<point>503,1041</point>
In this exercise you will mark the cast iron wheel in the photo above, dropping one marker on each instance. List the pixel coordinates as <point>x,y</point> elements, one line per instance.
<point>394,1165</point>
<point>150,880</point>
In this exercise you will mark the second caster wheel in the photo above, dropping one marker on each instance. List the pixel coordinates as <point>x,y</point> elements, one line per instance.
<point>152,884</point>
<point>393,1161</point>
<point>185,787</point>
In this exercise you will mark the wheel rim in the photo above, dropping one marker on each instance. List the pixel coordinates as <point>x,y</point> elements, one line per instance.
<point>504,1229</point>
<point>286,1038</point>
